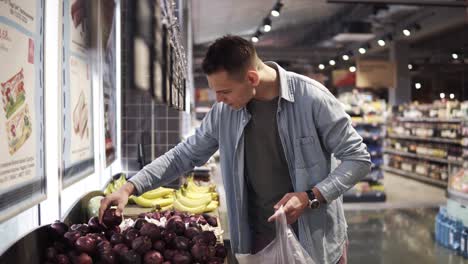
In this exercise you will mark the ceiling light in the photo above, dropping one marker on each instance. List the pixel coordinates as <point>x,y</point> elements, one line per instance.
<point>332,62</point>
<point>362,50</point>
<point>321,66</point>
<point>442,95</point>
<point>452,96</point>
<point>406,32</point>
<point>352,69</point>
<point>345,57</point>
<point>254,39</point>
<point>277,9</point>
<point>455,56</point>
<point>381,42</point>
<point>410,66</point>
<point>418,86</point>
<point>267,24</point>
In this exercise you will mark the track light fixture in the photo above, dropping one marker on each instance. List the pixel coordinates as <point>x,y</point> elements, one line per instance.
<point>345,57</point>
<point>407,31</point>
<point>276,10</point>
<point>381,42</point>
<point>267,24</point>
<point>321,66</point>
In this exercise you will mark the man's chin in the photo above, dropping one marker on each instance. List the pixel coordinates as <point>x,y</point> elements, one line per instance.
<point>236,107</point>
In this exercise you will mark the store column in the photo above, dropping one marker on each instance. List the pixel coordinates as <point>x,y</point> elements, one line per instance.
<point>399,54</point>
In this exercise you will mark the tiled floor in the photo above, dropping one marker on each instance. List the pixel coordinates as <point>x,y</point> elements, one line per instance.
<point>400,230</point>
<point>395,236</point>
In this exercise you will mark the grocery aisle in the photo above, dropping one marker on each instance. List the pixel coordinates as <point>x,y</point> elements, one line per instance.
<point>399,230</point>
<point>395,236</point>
<point>404,193</point>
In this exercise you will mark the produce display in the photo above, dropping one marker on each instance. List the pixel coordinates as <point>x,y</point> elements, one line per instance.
<point>190,197</point>
<point>153,238</point>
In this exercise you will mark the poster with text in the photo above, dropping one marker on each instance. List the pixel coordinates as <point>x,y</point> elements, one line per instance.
<point>77,102</point>
<point>22,180</point>
<point>109,79</point>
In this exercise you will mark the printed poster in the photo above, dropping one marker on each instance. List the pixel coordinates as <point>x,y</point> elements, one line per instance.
<point>77,148</point>
<point>22,181</point>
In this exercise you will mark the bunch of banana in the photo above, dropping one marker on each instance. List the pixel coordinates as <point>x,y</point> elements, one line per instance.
<point>193,187</point>
<point>196,199</point>
<point>160,199</point>
<point>114,185</point>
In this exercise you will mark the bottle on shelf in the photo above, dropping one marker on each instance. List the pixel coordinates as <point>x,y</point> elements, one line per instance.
<point>463,243</point>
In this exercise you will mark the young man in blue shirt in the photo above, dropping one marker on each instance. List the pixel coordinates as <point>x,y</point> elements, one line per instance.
<point>276,132</point>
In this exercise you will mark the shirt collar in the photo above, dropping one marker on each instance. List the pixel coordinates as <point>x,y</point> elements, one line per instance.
<point>286,91</point>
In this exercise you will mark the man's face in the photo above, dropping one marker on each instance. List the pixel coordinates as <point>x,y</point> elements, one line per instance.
<point>235,93</point>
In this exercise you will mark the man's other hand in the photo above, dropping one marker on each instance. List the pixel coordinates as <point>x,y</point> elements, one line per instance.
<point>293,205</point>
<point>118,198</point>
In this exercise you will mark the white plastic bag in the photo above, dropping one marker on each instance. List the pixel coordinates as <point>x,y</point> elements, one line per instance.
<point>284,249</point>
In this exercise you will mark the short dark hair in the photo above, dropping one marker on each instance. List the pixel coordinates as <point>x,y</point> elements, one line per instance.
<point>230,53</point>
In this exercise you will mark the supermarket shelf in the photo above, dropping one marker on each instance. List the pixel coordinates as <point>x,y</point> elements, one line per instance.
<point>431,139</point>
<point>417,156</point>
<point>371,196</point>
<point>458,196</point>
<point>415,176</point>
<point>374,124</point>
<point>429,120</point>
<point>368,137</point>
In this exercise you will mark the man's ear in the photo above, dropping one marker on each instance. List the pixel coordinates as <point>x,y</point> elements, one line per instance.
<point>253,78</point>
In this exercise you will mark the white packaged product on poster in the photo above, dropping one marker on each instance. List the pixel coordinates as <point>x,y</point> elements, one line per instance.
<point>285,248</point>
<point>18,129</point>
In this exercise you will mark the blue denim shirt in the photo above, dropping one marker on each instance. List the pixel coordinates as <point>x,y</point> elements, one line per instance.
<point>312,126</point>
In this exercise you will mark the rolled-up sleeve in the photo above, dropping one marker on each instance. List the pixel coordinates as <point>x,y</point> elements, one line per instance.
<point>194,151</point>
<point>340,138</point>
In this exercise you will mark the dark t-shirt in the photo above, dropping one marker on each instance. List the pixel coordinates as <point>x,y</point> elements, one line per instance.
<point>266,170</point>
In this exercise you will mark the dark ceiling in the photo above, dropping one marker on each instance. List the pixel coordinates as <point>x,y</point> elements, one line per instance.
<point>306,32</point>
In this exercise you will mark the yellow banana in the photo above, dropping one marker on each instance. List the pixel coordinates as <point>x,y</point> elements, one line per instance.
<point>107,190</point>
<point>148,203</point>
<point>194,210</point>
<point>157,193</point>
<point>212,206</point>
<point>192,202</point>
<point>165,208</point>
<point>191,186</point>
<point>197,195</point>
<point>121,181</point>
<point>112,187</point>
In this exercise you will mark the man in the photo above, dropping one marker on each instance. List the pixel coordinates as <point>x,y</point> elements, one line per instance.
<point>276,132</point>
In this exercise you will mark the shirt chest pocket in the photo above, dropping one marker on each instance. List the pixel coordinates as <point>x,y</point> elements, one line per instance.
<point>306,152</point>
